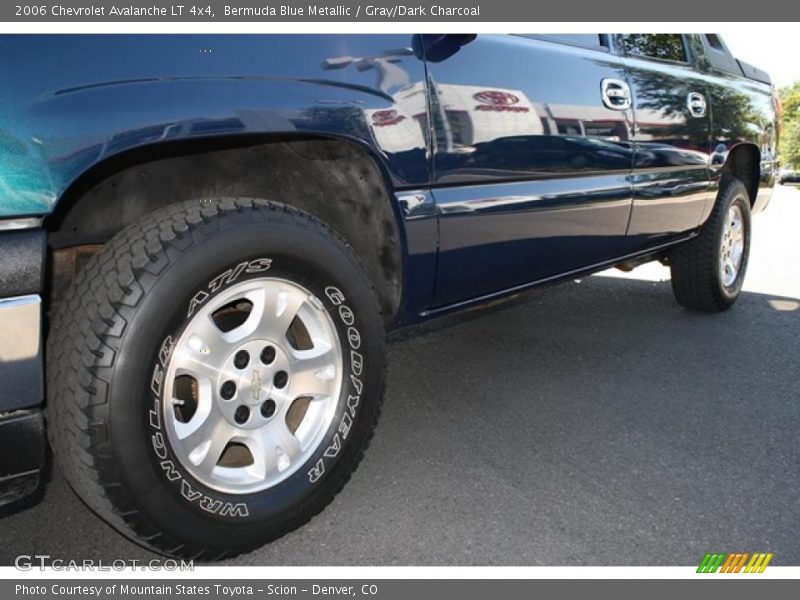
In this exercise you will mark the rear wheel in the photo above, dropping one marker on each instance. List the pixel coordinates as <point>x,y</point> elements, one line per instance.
<point>214,376</point>
<point>708,271</point>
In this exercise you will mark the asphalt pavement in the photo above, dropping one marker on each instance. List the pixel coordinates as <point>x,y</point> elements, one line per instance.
<point>597,423</point>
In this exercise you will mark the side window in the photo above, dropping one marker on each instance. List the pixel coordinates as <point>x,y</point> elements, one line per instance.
<point>593,41</point>
<point>663,46</point>
<point>715,42</point>
<point>718,54</point>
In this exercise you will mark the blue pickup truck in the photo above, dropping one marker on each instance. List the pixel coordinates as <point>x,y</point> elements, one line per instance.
<point>204,239</point>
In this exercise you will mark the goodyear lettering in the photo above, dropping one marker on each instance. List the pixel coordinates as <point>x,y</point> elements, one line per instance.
<point>334,295</point>
<point>155,381</point>
<point>354,338</point>
<point>357,362</point>
<point>166,350</point>
<point>345,424</point>
<point>332,450</point>
<point>317,471</point>
<point>347,317</point>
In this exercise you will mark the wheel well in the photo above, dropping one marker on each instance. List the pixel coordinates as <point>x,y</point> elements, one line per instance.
<point>744,163</point>
<point>337,181</point>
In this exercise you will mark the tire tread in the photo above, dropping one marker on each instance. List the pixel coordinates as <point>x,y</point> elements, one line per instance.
<point>88,326</point>
<point>693,265</point>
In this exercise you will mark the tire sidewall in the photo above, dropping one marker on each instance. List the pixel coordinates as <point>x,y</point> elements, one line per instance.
<point>737,195</point>
<point>150,471</point>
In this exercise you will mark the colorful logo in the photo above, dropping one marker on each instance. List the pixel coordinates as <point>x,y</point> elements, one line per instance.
<point>734,562</point>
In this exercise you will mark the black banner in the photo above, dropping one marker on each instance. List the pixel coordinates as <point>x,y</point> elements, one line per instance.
<point>383,589</point>
<point>445,11</point>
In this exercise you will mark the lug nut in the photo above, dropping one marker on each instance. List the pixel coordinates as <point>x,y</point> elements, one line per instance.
<point>241,359</point>
<point>228,390</point>
<point>241,415</point>
<point>268,355</point>
<point>268,408</point>
<point>281,377</point>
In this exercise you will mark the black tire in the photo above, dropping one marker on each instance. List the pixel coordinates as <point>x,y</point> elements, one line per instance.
<point>104,355</point>
<point>696,279</point>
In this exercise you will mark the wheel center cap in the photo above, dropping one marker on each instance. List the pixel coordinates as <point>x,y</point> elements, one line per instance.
<point>250,383</point>
<point>257,387</point>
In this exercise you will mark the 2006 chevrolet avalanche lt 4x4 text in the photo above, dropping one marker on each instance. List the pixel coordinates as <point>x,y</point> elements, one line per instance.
<point>205,238</point>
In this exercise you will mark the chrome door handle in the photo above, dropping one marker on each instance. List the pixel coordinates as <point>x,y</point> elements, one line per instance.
<point>696,103</point>
<point>616,94</point>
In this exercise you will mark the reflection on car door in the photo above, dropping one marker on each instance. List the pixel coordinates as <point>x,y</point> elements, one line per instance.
<point>672,129</point>
<point>531,167</point>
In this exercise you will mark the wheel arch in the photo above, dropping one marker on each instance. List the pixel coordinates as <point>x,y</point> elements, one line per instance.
<point>744,163</point>
<point>337,179</point>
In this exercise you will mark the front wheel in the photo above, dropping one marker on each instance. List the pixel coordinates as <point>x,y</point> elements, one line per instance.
<point>708,271</point>
<point>215,374</point>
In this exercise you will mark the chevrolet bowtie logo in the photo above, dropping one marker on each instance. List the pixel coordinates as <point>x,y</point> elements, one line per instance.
<point>255,385</point>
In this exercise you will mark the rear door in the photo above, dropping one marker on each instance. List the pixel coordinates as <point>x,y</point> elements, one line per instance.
<point>672,135</point>
<point>531,162</point>
<point>744,111</point>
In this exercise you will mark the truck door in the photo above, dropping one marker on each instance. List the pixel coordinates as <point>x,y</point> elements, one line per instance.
<point>532,155</point>
<point>672,136</point>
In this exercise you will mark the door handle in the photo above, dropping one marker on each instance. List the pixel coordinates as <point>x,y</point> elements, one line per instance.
<point>616,94</point>
<point>696,103</point>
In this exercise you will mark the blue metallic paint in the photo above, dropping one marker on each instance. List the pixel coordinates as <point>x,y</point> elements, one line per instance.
<point>671,168</point>
<point>743,115</point>
<point>500,236</point>
<point>548,207</point>
<point>506,167</point>
<point>555,163</point>
<point>71,102</point>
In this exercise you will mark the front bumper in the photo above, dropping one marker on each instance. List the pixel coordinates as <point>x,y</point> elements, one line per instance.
<point>22,439</point>
<point>21,356</point>
<point>22,453</point>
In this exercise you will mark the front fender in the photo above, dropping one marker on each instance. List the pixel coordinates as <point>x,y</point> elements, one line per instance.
<point>103,102</point>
